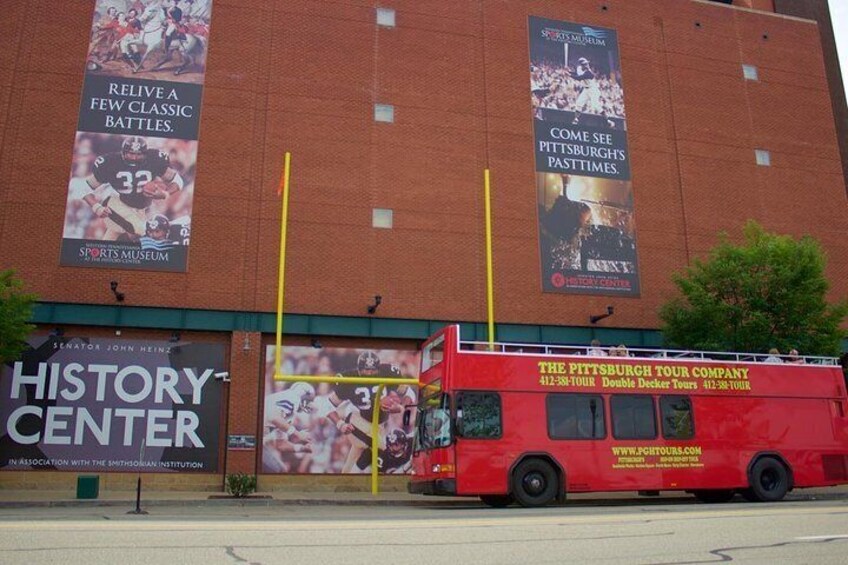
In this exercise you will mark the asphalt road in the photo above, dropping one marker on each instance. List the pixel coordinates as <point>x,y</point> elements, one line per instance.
<point>788,532</point>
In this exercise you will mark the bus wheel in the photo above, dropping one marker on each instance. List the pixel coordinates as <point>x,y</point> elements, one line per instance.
<point>714,496</point>
<point>497,500</point>
<point>769,481</point>
<point>534,483</point>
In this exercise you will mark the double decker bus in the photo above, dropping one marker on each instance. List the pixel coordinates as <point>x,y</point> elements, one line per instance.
<point>531,423</point>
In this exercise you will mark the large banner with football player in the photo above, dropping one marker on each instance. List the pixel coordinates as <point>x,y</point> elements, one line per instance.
<point>326,428</point>
<point>134,161</point>
<point>587,233</point>
<point>95,404</point>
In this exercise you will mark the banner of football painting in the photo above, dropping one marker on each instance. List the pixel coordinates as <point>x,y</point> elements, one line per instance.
<point>134,160</point>
<point>326,428</point>
<point>94,404</point>
<point>587,232</point>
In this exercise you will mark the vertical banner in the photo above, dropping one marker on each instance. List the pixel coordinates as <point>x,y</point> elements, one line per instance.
<point>326,428</point>
<point>134,160</point>
<point>95,404</point>
<point>587,233</point>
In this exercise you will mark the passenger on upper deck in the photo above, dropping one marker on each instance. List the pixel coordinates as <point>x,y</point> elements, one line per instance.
<point>795,358</point>
<point>595,349</point>
<point>773,356</point>
<point>620,351</point>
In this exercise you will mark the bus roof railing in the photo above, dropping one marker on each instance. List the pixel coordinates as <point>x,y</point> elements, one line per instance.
<point>537,349</point>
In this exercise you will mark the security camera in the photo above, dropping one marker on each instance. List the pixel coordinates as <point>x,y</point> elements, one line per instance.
<point>222,376</point>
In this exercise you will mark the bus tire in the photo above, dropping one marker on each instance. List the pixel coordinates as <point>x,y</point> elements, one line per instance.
<point>715,496</point>
<point>534,483</point>
<point>497,500</point>
<point>769,481</point>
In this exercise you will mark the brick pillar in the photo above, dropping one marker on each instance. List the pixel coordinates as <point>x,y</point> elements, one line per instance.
<point>243,402</point>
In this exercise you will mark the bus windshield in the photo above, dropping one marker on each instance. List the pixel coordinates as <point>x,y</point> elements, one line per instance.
<point>434,422</point>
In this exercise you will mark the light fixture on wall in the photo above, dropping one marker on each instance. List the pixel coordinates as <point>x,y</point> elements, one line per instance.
<point>599,317</point>
<point>372,308</point>
<point>245,346</point>
<point>119,296</point>
<point>175,337</point>
<point>316,344</point>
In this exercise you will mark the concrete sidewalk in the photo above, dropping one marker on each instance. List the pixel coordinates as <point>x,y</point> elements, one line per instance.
<point>48,498</point>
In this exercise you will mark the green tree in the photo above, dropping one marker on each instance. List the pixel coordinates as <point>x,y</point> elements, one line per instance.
<point>15,310</point>
<point>768,292</point>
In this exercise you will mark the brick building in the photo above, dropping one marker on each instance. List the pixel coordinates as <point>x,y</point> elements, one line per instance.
<point>708,84</point>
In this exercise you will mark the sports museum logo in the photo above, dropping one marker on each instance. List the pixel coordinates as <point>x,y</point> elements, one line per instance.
<point>590,36</point>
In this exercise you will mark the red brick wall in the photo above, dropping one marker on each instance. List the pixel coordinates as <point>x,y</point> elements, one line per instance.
<point>303,75</point>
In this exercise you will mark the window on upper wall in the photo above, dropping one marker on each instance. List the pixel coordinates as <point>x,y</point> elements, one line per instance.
<point>763,157</point>
<point>750,72</point>
<point>381,218</point>
<point>384,113</point>
<point>386,17</point>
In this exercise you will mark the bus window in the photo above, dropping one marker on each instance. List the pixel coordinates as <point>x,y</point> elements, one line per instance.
<point>433,353</point>
<point>677,420</point>
<point>479,414</point>
<point>434,423</point>
<point>575,416</point>
<point>633,417</point>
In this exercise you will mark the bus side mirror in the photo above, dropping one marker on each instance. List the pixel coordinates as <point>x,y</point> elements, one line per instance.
<point>407,416</point>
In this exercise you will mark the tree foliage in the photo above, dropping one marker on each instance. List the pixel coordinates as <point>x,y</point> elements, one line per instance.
<point>15,310</point>
<point>768,292</point>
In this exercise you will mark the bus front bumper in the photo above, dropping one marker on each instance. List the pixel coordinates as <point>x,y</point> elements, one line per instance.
<point>437,487</point>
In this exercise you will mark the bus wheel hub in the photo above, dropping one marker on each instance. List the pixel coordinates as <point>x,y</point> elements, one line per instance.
<point>534,483</point>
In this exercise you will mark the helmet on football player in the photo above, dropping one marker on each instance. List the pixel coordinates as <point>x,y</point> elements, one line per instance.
<point>396,441</point>
<point>368,363</point>
<point>133,149</point>
<point>306,392</point>
<point>158,227</point>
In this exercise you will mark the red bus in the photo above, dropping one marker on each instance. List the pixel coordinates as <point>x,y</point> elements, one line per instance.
<point>530,423</point>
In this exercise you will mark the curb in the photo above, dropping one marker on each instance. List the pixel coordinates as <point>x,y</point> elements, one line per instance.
<point>245,502</point>
<point>423,502</point>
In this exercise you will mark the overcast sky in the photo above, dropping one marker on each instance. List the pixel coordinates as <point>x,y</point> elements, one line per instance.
<point>839,14</point>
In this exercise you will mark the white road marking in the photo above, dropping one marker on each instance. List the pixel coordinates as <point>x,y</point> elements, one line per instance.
<point>813,538</point>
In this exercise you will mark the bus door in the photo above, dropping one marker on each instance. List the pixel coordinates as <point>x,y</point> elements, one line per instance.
<point>480,463</point>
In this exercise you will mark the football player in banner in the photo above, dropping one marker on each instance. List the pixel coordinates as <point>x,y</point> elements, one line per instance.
<point>129,195</point>
<point>138,175</point>
<point>354,406</point>
<point>334,436</point>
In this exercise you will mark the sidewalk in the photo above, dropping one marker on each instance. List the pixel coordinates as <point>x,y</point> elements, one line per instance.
<point>47,498</point>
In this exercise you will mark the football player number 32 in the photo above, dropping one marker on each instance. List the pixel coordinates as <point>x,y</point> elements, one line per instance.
<point>365,394</point>
<point>131,182</point>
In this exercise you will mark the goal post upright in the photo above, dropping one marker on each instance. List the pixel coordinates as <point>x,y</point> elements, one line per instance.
<point>381,382</point>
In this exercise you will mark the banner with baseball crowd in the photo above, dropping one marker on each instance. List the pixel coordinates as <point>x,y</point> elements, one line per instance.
<point>326,428</point>
<point>94,404</point>
<point>587,232</point>
<point>134,161</point>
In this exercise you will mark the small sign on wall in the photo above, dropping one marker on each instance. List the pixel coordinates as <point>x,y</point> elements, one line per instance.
<point>244,442</point>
